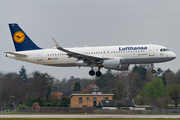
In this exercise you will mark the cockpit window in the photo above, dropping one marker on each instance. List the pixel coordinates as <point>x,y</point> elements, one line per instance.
<point>162,50</point>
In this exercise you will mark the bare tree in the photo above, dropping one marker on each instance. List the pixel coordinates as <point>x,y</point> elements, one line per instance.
<point>129,79</point>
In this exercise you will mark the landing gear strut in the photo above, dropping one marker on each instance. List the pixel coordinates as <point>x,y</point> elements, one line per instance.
<point>152,67</point>
<point>98,73</point>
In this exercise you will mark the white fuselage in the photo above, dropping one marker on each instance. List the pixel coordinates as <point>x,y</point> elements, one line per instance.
<point>129,54</point>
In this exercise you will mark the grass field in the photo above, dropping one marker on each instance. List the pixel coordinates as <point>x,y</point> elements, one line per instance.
<point>89,118</point>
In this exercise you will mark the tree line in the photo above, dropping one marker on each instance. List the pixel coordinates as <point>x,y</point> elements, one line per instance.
<point>140,84</point>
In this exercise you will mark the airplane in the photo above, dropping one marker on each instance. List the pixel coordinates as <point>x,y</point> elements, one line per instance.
<point>117,57</point>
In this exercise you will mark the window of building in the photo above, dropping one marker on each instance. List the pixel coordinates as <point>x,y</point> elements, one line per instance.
<point>80,99</point>
<point>87,98</point>
<point>105,98</point>
<point>94,98</point>
<point>95,89</point>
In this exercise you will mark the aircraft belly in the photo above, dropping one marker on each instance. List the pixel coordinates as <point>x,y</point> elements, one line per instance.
<point>62,65</point>
<point>146,60</point>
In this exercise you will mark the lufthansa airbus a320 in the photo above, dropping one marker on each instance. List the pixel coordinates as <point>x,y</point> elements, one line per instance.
<point>110,57</point>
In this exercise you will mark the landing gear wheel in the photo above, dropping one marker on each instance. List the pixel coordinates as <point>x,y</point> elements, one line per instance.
<point>91,72</point>
<point>98,73</point>
<point>153,71</point>
<point>152,67</point>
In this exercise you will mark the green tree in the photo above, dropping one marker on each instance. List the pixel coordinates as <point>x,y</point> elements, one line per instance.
<point>106,81</point>
<point>159,71</point>
<point>29,102</point>
<point>77,86</point>
<point>64,102</point>
<point>43,102</point>
<point>42,84</point>
<point>72,77</point>
<point>173,92</point>
<point>169,77</point>
<point>154,89</point>
<point>48,93</point>
<point>23,74</point>
<point>53,101</point>
<point>141,70</point>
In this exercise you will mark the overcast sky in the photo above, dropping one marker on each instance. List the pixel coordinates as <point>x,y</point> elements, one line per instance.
<point>92,23</point>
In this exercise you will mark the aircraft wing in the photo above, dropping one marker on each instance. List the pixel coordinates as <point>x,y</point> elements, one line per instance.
<point>86,58</point>
<point>17,54</point>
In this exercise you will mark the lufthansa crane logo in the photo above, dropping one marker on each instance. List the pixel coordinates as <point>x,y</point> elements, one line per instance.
<point>19,36</point>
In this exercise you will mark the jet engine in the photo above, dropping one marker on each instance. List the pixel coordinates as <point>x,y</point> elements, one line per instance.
<point>115,64</point>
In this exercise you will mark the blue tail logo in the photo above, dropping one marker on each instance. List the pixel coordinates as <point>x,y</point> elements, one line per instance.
<point>21,41</point>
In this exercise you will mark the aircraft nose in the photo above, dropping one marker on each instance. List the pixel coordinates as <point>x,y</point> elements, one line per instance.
<point>173,55</point>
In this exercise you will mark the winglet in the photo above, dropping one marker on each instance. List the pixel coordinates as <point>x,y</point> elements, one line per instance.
<point>56,43</point>
<point>58,46</point>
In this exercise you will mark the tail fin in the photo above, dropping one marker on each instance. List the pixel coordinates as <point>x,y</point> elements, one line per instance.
<point>21,41</point>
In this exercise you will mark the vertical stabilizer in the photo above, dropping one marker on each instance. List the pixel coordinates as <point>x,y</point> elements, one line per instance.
<point>21,41</point>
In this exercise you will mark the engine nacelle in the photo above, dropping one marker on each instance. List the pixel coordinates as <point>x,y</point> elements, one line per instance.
<point>115,64</point>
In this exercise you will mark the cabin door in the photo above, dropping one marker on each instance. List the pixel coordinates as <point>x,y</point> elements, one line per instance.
<point>39,56</point>
<point>151,51</point>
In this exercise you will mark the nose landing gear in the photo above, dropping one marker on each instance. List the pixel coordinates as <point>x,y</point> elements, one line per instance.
<point>153,71</point>
<point>152,67</point>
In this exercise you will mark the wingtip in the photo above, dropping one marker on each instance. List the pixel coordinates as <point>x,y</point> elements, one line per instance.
<point>55,42</point>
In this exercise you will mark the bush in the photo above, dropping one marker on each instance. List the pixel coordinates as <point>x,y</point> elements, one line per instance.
<point>48,104</point>
<point>149,108</point>
<point>24,107</point>
<point>125,108</point>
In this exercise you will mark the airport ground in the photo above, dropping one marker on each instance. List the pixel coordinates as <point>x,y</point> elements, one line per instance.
<point>93,116</point>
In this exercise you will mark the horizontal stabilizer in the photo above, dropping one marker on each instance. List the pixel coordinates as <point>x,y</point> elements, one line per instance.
<point>17,54</point>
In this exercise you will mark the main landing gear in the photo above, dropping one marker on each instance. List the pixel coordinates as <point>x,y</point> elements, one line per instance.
<point>152,67</point>
<point>98,73</point>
